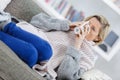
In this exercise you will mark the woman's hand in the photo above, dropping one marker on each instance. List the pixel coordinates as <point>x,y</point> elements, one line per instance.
<point>81,36</point>
<point>74,24</point>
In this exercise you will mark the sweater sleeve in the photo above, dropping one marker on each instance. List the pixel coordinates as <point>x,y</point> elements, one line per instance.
<point>47,23</point>
<point>69,68</point>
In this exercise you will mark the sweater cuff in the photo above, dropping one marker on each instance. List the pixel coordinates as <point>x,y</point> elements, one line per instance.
<point>65,25</point>
<point>71,51</point>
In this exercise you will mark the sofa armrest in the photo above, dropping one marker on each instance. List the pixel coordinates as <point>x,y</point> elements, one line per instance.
<point>12,68</point>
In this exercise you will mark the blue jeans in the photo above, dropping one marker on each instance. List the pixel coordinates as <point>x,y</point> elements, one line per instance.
<point>27,46</point>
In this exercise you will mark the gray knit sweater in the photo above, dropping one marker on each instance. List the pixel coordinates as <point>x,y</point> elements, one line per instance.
<point>70,69</point>
<point>74,62</point>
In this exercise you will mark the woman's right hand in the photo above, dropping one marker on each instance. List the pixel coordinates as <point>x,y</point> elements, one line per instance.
<point>80,37</point>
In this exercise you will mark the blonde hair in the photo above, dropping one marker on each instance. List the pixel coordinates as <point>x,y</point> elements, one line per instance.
<point>105,27</point>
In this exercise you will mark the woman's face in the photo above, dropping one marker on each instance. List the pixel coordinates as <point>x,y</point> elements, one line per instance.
<point>95,27</point>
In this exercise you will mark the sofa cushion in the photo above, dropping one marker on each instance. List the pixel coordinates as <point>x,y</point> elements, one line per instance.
<point>23,9</point>
<point>12,68</point>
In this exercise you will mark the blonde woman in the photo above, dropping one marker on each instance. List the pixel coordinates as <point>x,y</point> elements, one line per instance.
<point>83,43</point>
<point>72,53</point>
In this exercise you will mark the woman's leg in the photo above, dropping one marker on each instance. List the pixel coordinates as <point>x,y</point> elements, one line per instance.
<point>25,51</point>
<point>43,47</point>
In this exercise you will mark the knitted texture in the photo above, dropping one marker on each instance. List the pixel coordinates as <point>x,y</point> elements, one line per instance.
<point>65,70</point>
<point>60,40</point>
<point>49,23</point>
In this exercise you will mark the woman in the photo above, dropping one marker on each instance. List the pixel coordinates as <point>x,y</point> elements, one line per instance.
<point>72,53</point>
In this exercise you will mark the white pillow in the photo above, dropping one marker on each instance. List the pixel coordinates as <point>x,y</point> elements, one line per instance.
<point>3,4</point>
